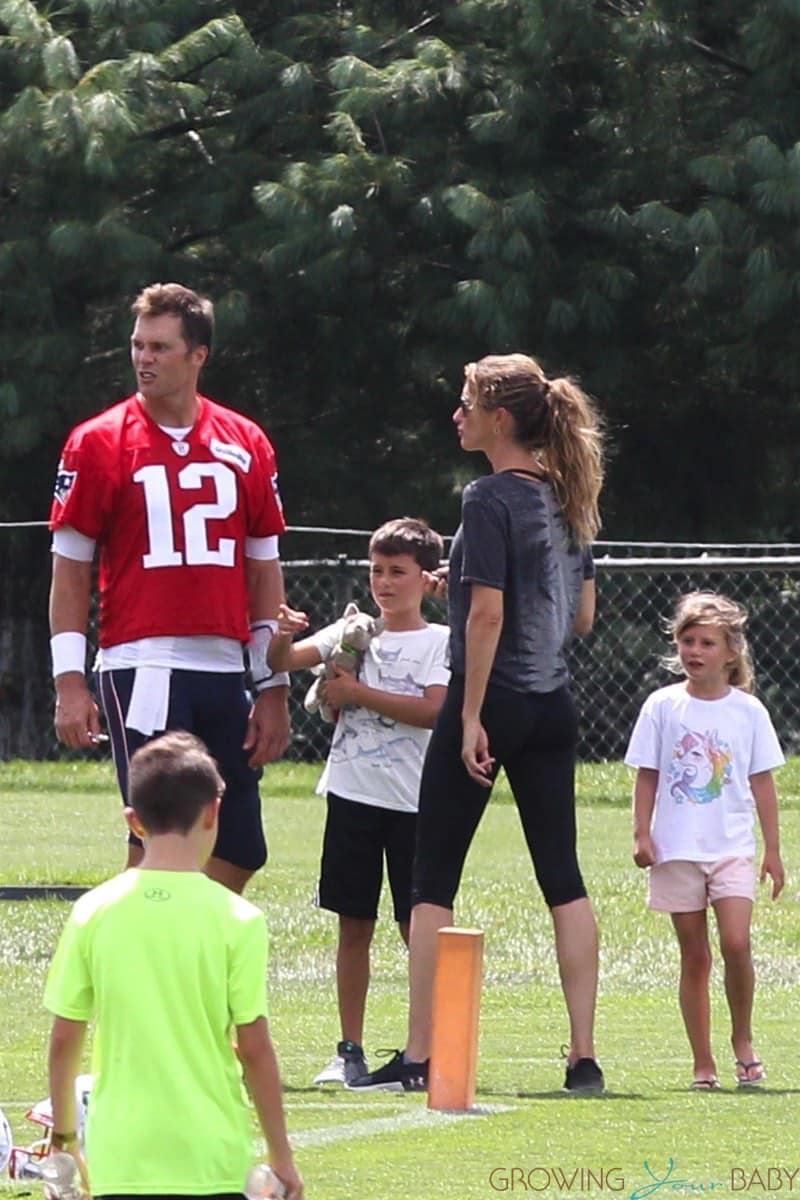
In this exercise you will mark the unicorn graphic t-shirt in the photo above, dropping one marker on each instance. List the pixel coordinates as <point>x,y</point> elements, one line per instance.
<point>705,752</point>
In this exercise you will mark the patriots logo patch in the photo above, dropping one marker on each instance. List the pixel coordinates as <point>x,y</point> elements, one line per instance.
<point>64,482</point>
<point>274,482</point>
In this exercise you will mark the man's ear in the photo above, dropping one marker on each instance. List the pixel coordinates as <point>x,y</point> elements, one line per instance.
<point>134,824</point>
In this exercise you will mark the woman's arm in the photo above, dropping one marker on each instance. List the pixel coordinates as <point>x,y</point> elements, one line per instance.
<point>587,601</point>
<point>482,634</point>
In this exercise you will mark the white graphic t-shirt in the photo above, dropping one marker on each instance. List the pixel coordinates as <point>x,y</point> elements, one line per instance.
<point>705,752</point>
<point>374,759</point>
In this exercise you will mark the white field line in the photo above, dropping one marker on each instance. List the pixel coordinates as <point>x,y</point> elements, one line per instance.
<point>371,1127</point>
<point>378,1125</point>
<point>296,1105</point>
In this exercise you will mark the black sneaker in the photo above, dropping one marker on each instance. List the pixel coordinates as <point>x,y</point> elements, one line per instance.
<point>395,1076</point>
<point>584,1076</point>
<point>347,1064</point>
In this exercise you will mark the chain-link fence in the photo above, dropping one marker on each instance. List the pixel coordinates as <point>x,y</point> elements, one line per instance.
<point>613,669</point>
<point>322,589</point>
<point>619,663</point>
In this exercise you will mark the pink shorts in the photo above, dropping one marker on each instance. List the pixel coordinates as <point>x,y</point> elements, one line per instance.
<point>681,886</point>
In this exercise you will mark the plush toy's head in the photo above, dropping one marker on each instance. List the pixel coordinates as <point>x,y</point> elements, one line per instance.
<point>359,628</point>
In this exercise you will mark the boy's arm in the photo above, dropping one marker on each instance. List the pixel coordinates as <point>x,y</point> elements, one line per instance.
<point>285,655</point>
<point>66,1046</point>
<point>762,786</point>
<point>420,711</point>
<point>644,800</point>
<point>260,1066</point>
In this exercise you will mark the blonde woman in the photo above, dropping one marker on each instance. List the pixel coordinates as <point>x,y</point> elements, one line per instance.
<point>521,581</point>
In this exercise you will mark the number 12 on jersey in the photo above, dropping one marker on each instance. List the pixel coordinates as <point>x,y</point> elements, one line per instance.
<point>158,505</point>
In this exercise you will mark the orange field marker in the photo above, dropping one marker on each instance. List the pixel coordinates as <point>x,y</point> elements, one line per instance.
<point>456,1009</point>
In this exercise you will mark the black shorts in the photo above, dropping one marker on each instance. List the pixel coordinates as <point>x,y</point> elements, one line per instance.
<point>357,836</point>
<point>533,736</point>
<point>215,707</point>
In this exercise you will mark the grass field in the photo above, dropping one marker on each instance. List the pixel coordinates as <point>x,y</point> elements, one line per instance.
<point>61,823</point>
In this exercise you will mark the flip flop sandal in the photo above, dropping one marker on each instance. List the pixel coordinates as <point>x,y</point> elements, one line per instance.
<point>743,1070</point>
<point>711,1084</point>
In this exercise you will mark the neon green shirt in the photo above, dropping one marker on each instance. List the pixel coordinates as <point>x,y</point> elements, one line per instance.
<point>167,962</point>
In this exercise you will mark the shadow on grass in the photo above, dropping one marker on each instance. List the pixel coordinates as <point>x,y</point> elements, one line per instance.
<point>560,1094</point>
<point>314,1089</point>
<point>746,1095</point>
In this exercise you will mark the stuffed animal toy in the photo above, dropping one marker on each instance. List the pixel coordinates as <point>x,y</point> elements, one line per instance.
<point>358,630</point>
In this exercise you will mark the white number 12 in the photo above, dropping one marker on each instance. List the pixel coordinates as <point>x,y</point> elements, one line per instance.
<point>162,552</point>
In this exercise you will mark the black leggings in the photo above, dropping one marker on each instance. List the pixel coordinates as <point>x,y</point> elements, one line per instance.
<point>533,735</point>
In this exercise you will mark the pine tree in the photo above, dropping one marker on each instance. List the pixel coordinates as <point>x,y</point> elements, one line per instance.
<point>719,238</point>
<point>375,195</point>
<point>120,165</point>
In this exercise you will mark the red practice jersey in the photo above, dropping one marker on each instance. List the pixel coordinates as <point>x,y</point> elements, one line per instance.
<point>170,517</point>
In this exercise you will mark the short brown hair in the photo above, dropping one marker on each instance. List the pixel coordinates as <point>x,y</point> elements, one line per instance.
<point>173,299</point>
<point>170,781</point>
<point>409,535</point>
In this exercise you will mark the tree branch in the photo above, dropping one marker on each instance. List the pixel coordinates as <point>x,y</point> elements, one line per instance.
<point>196,140</point>
<point>196,235</point>
<point>381,138</point>
<point>414,29</point>
<point>189,125</point>
<point>709,52</point>
<point>103,355</point>
<point>718,56</point>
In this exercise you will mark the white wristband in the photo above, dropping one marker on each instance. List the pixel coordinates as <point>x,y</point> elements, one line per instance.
<point>277,679</point>
<point>261,634</point>
<point>68,651</point>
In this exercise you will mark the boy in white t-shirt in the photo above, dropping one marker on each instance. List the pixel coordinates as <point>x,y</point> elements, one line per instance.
<point>705,750</point>
<point>372,775</point>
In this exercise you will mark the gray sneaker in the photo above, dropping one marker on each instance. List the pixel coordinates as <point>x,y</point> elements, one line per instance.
<point>346,1065</point>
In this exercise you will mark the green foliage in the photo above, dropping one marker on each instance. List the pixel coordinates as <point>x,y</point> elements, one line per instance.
<point>376,194</point>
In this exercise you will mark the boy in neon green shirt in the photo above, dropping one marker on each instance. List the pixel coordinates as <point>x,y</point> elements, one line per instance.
<point>168,963</point>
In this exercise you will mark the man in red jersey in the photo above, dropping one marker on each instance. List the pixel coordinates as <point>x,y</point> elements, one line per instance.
<point>180,497</point>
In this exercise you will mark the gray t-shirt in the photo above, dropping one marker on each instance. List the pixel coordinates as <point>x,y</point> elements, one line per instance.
<point>513,537</point>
